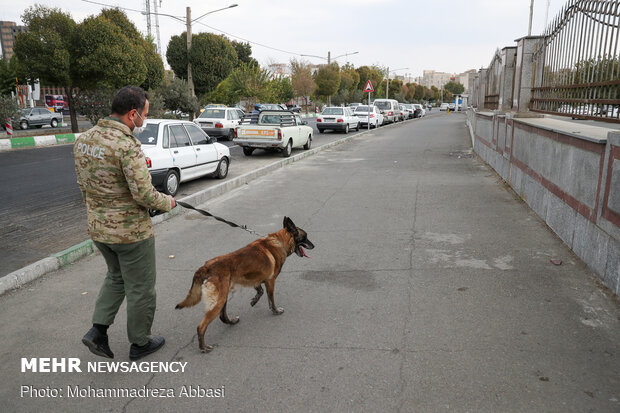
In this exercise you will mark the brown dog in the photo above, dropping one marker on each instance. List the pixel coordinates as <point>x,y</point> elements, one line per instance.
<point>257,263</point>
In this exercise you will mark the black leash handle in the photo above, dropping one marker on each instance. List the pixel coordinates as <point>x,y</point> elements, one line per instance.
<point>208,214</point>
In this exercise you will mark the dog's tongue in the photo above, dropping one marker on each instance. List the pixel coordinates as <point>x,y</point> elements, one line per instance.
<point>303,252</point>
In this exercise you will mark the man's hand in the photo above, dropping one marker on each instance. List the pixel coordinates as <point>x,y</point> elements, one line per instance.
<point>174,203</point>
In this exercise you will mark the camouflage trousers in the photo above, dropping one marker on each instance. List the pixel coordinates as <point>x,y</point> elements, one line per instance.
<point>131,274</point>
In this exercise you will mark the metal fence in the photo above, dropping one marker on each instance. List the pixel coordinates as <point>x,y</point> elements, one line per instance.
<point>577,70</point>
<point>493,78</point>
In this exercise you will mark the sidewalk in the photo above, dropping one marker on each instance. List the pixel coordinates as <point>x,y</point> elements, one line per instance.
<point>431,289</point>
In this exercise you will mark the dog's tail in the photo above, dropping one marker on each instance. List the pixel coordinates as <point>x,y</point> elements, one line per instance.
<point>193,296</point>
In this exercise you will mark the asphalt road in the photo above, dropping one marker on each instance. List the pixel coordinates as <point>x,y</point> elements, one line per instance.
<point>430,289</point>
<point>42,211</point>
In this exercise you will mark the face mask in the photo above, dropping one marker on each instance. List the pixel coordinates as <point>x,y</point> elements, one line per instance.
<point>138,129</point>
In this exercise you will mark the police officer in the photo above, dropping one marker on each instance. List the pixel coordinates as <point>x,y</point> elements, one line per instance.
<point>116,187</point>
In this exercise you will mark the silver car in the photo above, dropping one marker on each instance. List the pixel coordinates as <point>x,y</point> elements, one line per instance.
<point>38,117</point>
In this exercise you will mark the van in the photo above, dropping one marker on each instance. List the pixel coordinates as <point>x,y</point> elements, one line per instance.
<point>389,109</point>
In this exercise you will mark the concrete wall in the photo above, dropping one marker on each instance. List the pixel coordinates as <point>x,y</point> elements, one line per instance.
<point>569,175</point>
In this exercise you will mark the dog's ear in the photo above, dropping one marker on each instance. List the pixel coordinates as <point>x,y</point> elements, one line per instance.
<point>290,227</point>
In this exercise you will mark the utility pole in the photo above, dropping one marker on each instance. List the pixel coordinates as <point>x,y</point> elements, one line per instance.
<point>529,30</point>
<point>387,87</point>
<point>190,80</point>
<point>329,61</point>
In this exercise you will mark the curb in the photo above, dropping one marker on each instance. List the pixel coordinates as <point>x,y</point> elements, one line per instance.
<point>54,262</point>
<point>35,141</point>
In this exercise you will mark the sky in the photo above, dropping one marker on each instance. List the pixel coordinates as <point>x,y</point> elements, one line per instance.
<point>410,35</point>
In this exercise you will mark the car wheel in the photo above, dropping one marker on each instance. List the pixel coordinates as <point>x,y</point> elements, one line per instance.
<point>23,124</point>
<point>171,183</point>
<point>231,135</point>
<point>54,123</point>
<point>288,149</point>
<point>346,128</point>
<point>222,169</point>
<point>321,130</point>
<point>308,143</point>
<point>247,151</point>
<point>358,127</point>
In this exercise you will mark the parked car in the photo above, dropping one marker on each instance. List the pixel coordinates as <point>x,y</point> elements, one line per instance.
<point>38,117</point>
<point>354,105</point>
<point>337,119</point>
<point>294,108</point>
<point>374,117</point>
<point>452,106</point>
<point>273,130</point>
<point>444,107</point>
<point>220,122</point>
<point>272,106</point>
<point>389,108</point>
<point>420,111</point>
<point>177,151</point>
<point>404,113</point>
<point>410,110</point>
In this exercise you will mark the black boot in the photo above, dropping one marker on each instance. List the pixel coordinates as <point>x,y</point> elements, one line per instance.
<point>97,343</point>
<point>154,344</point>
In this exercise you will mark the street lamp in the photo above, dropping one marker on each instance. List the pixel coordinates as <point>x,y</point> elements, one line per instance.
<point>329,60</point>
<point>188,22</point>
<point>387,88</point>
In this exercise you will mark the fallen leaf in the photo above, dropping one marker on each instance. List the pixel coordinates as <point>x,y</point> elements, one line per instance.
<point>171,256</point>
<point>556,262</point>
<point>85,292</point>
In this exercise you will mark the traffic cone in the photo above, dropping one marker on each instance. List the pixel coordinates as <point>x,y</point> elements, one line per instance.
<point>9,127</point>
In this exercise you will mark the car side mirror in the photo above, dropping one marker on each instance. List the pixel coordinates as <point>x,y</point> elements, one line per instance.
<point>211,139</point>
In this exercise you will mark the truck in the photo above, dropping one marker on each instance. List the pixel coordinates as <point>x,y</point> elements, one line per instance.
<point>273,130</point>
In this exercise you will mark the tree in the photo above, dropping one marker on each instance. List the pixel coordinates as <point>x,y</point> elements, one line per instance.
<point>223,93</point>
<point>244,53</point>
<point>177,98</point>
<point>371,73</point>
<point>212,57</point>
<point>102,52</point>
<point>302,80</point>
<point>327,80</point>
<point>454,88</point>
<point>45,51</point>
<point>7,77</point>
<point>281,90</point>
<point>94,103</point>
<point>251,83</point>
<point>9,109</point>
<point>349,80</point>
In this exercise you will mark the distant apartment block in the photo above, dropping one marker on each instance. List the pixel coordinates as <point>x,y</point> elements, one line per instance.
<point>8,31</point>
<point>438,79</point>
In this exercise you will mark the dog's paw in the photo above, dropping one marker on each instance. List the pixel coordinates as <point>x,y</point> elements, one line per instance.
<point>277,311</point>
<point>234,320</point>
<point>253,301</point>
<point>206,348</point>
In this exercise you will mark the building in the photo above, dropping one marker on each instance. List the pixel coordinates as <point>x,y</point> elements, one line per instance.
<point>438,79</point>
<point>433,78</point>
<point>8,31</point>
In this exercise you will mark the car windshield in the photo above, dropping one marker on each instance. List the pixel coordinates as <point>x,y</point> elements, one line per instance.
<point>213,114</point>
<point>362,109</point>
<point>383,105</point>
<point>333,111</point>
<point>149,135</point>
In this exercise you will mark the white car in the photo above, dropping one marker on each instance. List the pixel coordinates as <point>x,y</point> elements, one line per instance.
<point>444,106</point>
<point>177,151</point>
<point>422,110</point>
<point>220,122</point>
<point>375,117</point>
<point>337,119</point>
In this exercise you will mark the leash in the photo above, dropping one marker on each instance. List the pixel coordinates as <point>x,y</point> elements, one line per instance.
<point>208,214</point>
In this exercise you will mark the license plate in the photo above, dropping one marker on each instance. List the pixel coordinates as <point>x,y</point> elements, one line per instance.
<point>329,118</point>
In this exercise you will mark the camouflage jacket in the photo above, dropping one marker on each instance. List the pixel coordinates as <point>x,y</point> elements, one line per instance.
<point>116,184</point>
